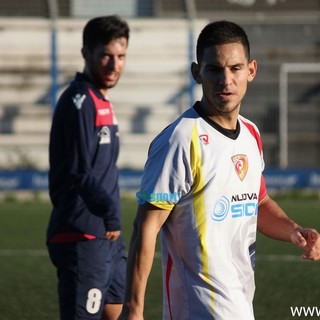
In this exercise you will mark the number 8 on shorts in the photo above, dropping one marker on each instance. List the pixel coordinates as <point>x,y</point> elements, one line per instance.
<point>94,300</point>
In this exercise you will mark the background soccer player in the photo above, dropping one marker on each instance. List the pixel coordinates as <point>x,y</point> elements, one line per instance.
<point>83,237</point>
<point>213,157</point>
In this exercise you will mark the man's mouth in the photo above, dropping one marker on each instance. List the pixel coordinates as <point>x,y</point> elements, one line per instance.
<point>110,76</point>
<point>224,94</point>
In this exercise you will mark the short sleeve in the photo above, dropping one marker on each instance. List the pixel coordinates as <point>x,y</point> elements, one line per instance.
<point>167,174</point>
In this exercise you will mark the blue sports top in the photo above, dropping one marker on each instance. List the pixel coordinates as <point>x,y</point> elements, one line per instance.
<point>83,176</point>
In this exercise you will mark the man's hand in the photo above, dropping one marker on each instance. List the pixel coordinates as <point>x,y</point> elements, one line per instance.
<point>127,315</point>
<point>112,235</point>
<point>309,240</point>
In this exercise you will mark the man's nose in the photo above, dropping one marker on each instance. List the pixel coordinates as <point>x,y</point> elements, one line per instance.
<point>112,63</point>
<point>225,77</point>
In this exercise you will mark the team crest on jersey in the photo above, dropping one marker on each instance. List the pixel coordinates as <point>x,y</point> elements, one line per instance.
<point>104,135</point>
<point>204,138</point>
<point>240,162</point>
<point>78,100</point>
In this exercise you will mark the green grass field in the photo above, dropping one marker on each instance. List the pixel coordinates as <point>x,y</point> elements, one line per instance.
<point>28,281</point>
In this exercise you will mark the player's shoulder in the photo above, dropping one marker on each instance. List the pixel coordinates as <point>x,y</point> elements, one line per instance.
<point>250,125</point>
<point>179,130</point>
<point>252,129</point>
<point>175,138</point>
<point>79,86</point>
<point>76,95</point>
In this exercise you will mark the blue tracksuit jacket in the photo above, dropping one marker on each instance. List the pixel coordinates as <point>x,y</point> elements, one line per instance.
<point>83,176</point>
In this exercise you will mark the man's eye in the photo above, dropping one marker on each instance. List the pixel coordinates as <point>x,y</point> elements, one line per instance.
<point>236,68</point>
<point>214,69</point>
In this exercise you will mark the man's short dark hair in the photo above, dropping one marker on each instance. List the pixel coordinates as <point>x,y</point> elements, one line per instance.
<point>221,32</point>
<point>102,30</point>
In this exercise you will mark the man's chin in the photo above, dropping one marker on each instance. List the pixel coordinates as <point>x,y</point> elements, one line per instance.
<point>109,84</point>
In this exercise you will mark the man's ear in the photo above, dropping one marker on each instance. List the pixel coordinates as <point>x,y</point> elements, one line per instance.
<point>84,52</point>
<point>195,71</point>
<point>252,70</point>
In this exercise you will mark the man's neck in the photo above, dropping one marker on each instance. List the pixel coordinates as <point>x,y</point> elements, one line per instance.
<point>227,120</point>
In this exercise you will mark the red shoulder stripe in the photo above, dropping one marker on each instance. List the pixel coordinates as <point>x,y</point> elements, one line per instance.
<point>255,134</point>
<point>104,114</point>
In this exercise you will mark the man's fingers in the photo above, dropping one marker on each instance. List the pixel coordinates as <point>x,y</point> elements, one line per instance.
<point>312,243</point>
<point>298,239</point>
<point>112,235</point>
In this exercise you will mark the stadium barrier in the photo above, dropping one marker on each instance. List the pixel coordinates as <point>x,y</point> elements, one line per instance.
<point>281,179</point>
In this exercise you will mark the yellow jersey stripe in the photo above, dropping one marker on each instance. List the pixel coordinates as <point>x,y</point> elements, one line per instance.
<point>199,207</point>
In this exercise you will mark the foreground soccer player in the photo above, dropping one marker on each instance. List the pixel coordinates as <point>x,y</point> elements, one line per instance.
<point>83,237</point>
<point>213,158</point>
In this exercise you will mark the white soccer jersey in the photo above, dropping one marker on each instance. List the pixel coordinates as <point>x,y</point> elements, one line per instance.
<point>213,184</point>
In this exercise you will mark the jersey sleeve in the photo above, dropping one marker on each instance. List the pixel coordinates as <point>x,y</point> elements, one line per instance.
<point>167,174</point>
<point>263,195</point>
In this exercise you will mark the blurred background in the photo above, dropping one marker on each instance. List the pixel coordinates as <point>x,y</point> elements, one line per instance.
<point>40,43</point>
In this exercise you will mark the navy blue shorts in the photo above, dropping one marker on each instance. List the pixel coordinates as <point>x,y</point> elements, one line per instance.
<point>91,274</point>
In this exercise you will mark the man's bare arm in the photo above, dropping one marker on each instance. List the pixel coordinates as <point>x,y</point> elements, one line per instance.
<point>274,223</point>
<point>147,225</point>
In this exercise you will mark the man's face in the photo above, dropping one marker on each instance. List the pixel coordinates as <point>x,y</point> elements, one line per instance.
<point>105,63</point>
<point>224,73</point>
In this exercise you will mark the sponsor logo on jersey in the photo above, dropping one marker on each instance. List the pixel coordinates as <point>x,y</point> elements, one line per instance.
<point>104,135</point>
<point>204,138</point>
<point>221,209</point>
<point>78,100</point>
<point>144,196</point>
<point>103,112</point>
<point>238,206</point>
<point>240,162</point>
